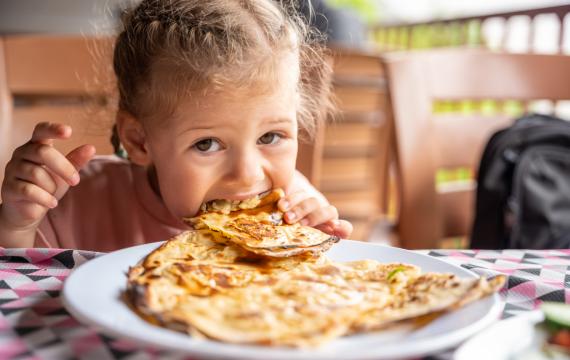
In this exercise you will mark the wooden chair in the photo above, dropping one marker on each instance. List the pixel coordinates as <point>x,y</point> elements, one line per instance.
<point>356,146</point>
<point>427,141</point>
<point>70,80</point>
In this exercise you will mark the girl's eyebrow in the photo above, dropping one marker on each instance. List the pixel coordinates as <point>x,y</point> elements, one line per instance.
<point>280,120</point>
<point>193,128</point>
<point>271,121</point>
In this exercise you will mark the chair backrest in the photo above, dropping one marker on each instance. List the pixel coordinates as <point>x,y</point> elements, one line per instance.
<point>69,79</point>
<point>428,141</point>
<point>356,149</point>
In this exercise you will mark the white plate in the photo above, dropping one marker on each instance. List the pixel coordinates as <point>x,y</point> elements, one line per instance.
<point>513,338</point>
<point>92,294</point>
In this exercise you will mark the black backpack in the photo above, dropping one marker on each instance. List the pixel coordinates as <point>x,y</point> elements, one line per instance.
<point>523,187</point>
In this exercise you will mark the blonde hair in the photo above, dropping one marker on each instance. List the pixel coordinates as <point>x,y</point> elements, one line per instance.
<point>168,48</point>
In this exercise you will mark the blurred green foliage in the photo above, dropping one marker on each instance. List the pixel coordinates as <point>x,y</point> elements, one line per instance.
<point>426,36</point>
<point>485,107</point>
<point>443,176</point>
<point>367,10</point>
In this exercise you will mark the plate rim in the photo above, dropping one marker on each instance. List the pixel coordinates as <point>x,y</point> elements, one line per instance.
<point>524,321</point>
<point>421,346</point>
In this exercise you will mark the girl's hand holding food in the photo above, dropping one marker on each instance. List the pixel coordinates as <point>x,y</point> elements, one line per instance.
<point>304,204</point>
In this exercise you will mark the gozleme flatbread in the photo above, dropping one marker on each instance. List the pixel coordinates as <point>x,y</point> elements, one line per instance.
<point>257,225</point>
<point>199,286</point>
<point>305,309</point>
<point>244,276</point>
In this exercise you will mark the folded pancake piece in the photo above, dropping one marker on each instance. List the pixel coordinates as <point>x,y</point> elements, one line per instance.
<point>260,229</point>
<point>307,311</point>
<point>194,245</point>
<point>430,293</point>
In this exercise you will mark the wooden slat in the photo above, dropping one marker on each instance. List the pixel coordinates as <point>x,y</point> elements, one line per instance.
<point>499,75</point>
<point>352,99</point>
<point>371,117</point>
<point>310,155</point>
<point>361,204</point>
<point>58,65</point>
<point>357,65</point>
<point>331,185</point>
<point>345,170</point>
<point>360,82</point>
<point>348,139</point>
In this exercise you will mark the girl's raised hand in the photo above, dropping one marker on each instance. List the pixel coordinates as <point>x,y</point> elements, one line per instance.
<point>304,204</point>
<point>38,176</point>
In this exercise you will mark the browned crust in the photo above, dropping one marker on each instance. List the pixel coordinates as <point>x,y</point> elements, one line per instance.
<point>293,250</point>
<point>136,298</point>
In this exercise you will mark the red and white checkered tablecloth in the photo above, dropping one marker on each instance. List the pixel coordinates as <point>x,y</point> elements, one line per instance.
<point>34,323</point>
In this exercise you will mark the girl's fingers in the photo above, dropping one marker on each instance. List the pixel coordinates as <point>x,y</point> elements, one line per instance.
<point>25,191</point>
<point>45,133</point>
<point>299,210</point>
<point>327,228</point>
<point>52,159</point>
<point>310,211</point>
<point>37,175</point>
<point>292,200</point>
<point>81,155</point>
<point>298,204</point>
<point>320,216</point>
<point>341,228</point>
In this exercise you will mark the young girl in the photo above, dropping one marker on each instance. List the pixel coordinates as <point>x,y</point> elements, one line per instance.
<point>212,95</point>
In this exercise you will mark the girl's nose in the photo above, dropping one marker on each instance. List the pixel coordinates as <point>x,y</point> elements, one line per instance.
<point>247,168</point>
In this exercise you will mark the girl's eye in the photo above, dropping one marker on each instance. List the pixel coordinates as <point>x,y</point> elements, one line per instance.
<point>207,145</point>
<point>269,138</point>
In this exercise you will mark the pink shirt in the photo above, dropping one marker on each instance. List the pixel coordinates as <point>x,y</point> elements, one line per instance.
<point>111,208</point>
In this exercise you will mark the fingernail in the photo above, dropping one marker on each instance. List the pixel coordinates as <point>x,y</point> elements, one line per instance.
<point>75,179</point>
<point>291,216</point>
<point>304,222</point>
<point>284,205</point>
<point>53,203</point>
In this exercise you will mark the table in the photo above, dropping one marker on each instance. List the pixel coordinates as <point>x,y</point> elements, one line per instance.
<point>34,324</point>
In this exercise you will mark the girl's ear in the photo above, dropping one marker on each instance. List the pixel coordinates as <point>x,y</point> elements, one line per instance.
<point>133,138</point>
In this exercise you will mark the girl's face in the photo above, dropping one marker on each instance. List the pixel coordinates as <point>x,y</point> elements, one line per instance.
<point>227,145</point>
